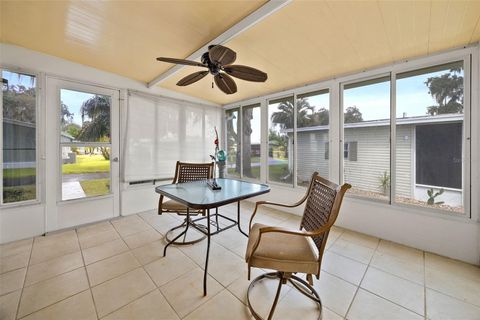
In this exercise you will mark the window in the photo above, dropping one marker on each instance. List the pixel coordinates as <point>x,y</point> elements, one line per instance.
<point>85,144</point>
<point>280,140</point>
<point>312,135</point>
<point>161,131</point>
<point>251,147</point>
<point>366,151</point>
<point>233,142</point>
<point>430,137</point>
<point>19,143</point>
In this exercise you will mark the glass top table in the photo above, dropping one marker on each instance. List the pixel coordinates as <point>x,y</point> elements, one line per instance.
<point>198,195</point>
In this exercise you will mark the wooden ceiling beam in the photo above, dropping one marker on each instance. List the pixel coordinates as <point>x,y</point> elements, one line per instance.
<point>249,21</point>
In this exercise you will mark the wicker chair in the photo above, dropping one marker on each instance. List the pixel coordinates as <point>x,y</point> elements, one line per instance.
<point>292,251</point>
<point>185,172</point>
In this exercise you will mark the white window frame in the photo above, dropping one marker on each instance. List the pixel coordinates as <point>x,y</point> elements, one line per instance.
<point>342,158</point>
<point>450,57</point>
<point>39,171</point>
<point>254,105</point>
<point>294,166</point>
<point>470,56</point>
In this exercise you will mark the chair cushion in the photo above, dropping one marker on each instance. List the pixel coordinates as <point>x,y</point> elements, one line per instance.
<point>172,205</point>
<point>282,252</point>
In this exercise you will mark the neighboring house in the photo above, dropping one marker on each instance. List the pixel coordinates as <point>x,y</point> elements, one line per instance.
<point>67,155</point>
<point>18,144</point>
<point>428,148</point>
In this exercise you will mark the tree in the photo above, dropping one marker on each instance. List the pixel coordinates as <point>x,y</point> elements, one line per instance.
<point>447,90</point>
<point>19,103</point>
<point>321,117</point>
<point>285,116</point>
<point>352,114</point>
<point>97,128</point>
<point>247,143</point>
<point>67,116</point>
<point>73,129</point>
<point>233,137</point>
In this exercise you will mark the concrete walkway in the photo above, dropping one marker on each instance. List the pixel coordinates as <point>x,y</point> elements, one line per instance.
<point>72,190</point>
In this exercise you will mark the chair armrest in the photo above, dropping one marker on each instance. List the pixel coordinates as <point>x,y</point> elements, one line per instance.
<point>258,203</point>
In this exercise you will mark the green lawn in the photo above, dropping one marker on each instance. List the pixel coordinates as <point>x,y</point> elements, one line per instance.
<point>87,164</point>
<point>19,193</point>
<point>18,173</point>
<point>97,187</point>
<point>276,172</point>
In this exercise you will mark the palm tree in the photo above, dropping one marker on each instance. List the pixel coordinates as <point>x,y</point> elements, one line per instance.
<point>97,129</point>
<point>285,116</point>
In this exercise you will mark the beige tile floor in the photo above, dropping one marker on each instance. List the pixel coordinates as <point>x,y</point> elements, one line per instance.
<point>115,270</point>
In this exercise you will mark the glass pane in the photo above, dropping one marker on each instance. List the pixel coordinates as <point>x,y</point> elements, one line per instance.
<point>366,149</point>
<point>429,141</point>
<point>251,141</point>
<point>19,137</point>
<point>85,172</point>
<point>312,136</point>
<point>85,117</point>
<point>280,138</point>
<point>233,143</point>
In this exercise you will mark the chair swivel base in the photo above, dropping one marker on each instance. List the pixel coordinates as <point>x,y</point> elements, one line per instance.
<point>301,285</point>
<point>184,241</point>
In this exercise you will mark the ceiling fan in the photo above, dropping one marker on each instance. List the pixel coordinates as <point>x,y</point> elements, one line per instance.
<point>218,60</point>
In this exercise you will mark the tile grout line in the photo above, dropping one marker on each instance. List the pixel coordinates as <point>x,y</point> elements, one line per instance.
<point>150,277</point>
<point>24,279</point>
<point>86,273</point>
<point>424,287</point>
<point>361,280</point>
<point>158,287</point>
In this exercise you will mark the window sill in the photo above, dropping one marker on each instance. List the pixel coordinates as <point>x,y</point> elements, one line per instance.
<point>27,203</point>
<point>412,209</point>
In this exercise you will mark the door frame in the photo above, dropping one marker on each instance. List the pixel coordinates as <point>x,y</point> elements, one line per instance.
<point>67,213</point>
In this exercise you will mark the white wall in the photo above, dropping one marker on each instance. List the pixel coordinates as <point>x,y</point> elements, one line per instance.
<point>24,221</point>
<point>457,238</point>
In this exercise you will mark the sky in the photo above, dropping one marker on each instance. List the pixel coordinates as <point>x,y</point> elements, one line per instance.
<point>372,100</point>
<point>74,101</point>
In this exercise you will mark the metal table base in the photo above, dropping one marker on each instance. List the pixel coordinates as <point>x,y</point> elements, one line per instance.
<point>208,233</point>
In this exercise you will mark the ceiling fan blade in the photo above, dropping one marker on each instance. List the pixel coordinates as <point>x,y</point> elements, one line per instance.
<point>222,55</point>
<point>225,83</point>
<point>246,73</point>
<point>191,78</point>
<point>181,61</point>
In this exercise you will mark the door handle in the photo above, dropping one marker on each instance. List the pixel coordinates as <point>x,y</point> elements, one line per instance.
<point>115,159</point>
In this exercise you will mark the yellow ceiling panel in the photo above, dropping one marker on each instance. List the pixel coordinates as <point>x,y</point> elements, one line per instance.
<point>123,37</point>
<point>302,43</point>
<point>407,25</point>
<point>452,23</point>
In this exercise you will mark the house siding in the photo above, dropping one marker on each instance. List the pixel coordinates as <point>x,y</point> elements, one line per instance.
<point>373,157</point>
<point>311,155</point>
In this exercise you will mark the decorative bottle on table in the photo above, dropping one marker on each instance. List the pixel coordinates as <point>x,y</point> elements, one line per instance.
<point>213,183</point>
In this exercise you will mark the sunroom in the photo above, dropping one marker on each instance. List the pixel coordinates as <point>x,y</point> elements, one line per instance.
<point>240,160</point>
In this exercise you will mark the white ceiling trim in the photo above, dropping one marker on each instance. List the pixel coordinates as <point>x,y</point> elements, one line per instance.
<point>249,21</point>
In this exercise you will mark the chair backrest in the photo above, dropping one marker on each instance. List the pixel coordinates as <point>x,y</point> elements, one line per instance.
<point>324,199</point>
<point>186,172</point>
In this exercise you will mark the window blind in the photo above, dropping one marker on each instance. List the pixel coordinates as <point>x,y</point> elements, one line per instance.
<point>161,131</point>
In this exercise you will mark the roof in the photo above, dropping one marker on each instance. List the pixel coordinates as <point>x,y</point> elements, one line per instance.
<point>443,118</point>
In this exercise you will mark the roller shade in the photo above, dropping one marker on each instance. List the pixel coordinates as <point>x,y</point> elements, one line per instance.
<point>161,131</point>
